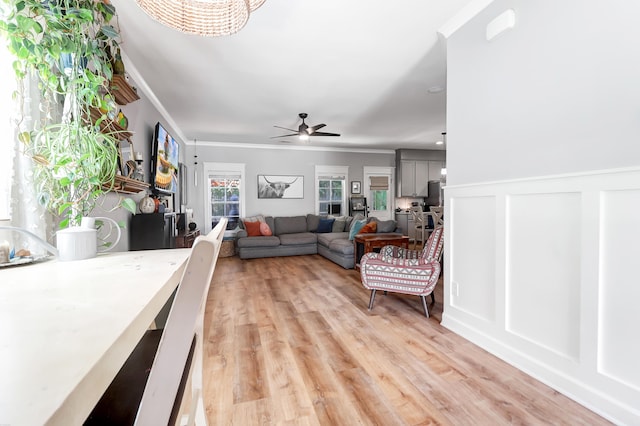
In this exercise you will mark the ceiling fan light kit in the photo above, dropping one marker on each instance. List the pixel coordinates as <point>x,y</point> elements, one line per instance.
<point>304,130</point>
<point>209,18</point>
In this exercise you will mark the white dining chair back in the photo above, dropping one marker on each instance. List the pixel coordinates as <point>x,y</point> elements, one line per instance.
<point>438,215</point>
<point>420,225</point>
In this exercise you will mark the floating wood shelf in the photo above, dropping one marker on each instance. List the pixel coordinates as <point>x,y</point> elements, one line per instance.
<point>122,92</point>
<point>127,185</point>
<point>110,126</point>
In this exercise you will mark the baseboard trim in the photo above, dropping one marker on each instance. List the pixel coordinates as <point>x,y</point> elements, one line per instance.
<point>585,395</point>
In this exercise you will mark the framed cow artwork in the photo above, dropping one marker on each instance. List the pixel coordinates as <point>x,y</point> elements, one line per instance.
<point>276,186</point>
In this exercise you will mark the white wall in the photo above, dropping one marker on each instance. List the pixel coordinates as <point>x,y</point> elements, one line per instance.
<point>283,160</point>
<point>540,261</point>
<point>278,161</point>
<point>557,93</point>
<point>142,117</point>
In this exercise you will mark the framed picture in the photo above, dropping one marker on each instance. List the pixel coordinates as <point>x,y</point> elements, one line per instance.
<point>126,154</point>
<point>355,187</point>
<point>275,186</point>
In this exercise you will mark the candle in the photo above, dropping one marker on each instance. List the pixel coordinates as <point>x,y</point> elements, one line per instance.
<point>4,252</point>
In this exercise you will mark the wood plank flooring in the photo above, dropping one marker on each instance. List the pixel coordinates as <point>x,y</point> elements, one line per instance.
<point>290,342</point>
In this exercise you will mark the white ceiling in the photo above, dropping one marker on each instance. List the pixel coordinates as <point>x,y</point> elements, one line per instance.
<point>363,67</point>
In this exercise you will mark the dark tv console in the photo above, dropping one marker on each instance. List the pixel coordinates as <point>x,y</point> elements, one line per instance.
<point>152,231</point>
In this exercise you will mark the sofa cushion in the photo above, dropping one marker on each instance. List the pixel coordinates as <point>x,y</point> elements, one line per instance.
<point>325,226</point>
<point>326,239</point>
<point>312,222</point>
<point>298,239</point>
<point>258,242</point>
<point>339,224</point>
<point>341,245</point>
<point>253,228</point>
<point>386,225</point>
<point>290,225</point>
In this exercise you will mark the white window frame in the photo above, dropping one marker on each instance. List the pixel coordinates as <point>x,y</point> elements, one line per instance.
<point>223,169</point>
<point>323,171</point>
<point>380,171</point>
<point>7,131</point>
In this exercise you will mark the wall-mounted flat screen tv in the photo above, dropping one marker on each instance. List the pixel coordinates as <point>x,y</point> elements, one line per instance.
<point>164,161</point>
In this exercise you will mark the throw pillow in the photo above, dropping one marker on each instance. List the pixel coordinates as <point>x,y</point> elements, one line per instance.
<point>347,224</point>
<point>325,226</point>
<point>265,230</point>
<point>253,228</point>
<point>338,225</point>
<point>369,228</point>
<point>256,218</point>
<point>387,226</point>
<point>355,228</point>
<point>357,217</point>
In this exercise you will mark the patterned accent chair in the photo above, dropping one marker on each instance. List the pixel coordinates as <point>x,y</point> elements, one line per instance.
<point>405,271</point>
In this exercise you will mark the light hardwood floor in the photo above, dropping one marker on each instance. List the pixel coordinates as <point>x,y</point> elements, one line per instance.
<point>291,342</point>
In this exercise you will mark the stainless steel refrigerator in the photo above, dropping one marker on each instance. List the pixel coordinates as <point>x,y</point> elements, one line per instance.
<point>435,197</point>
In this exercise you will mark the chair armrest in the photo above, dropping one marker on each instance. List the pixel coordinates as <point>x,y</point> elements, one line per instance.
<point>380,259</point>
<point>399,252</point>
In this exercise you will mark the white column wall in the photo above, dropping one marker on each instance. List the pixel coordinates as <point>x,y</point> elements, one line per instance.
<point>543,273</point>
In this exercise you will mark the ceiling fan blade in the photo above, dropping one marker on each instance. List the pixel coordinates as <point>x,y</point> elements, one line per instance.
<point>286,128</point>
<point>324,134</point>
<point>311,130</point>
<point>285,136</point>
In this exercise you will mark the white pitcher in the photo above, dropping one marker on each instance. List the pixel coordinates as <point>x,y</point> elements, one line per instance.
<point>81,242</point>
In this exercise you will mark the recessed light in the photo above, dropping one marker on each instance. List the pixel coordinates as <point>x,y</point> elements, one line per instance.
<point>439,142</point>
<point>435,89</point>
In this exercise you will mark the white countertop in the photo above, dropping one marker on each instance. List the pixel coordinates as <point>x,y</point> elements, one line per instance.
<point>66,328</point>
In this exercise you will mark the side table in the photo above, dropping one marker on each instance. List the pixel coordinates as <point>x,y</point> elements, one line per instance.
<point>185,238</point>
<point>374,241</point>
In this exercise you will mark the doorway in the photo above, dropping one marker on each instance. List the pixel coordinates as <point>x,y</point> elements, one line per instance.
<point>378,187</point>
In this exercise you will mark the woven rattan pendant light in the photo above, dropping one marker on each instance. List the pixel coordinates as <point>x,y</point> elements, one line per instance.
<point>209,18</point>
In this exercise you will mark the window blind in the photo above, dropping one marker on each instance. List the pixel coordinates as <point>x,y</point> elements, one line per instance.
<point>379,183</point>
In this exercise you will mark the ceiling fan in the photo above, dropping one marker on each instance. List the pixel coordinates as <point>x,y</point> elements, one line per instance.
<point>304,130</point>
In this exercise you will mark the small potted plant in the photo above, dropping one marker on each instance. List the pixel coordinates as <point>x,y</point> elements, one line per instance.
<point>65,46</point>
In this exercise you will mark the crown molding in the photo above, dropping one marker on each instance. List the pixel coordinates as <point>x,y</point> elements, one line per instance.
<point>289,147</point>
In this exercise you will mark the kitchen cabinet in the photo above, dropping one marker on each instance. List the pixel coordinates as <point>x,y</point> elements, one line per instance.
<point>414,175</point>
<point>435,170</point>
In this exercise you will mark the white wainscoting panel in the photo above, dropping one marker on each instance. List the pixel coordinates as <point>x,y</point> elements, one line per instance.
<point>473,247</point>
<point>619,291</point>
<point>543,270</point>
<point>545,274</point>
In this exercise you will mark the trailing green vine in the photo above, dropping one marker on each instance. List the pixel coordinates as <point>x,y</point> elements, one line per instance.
<point>66,45</point>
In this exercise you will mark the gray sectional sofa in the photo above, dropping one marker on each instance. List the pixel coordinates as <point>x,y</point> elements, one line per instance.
<point>298,235</point>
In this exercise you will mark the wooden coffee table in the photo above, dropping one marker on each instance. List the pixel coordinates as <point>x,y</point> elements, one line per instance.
<point>374,241</point>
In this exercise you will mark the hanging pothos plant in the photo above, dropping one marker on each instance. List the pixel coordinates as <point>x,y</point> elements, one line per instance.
<point>65,46</point>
